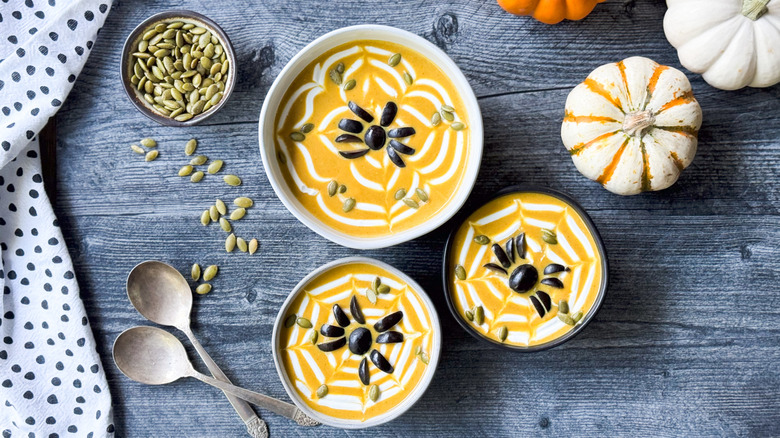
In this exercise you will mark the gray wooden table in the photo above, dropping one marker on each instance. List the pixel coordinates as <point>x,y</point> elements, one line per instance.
<point>688,339</point>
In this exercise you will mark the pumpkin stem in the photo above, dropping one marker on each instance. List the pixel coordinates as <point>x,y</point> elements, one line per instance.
<point>754,9</point>
<point>636,123</point>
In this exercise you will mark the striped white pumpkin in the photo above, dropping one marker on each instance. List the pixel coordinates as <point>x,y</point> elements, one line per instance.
<point>632,125</point>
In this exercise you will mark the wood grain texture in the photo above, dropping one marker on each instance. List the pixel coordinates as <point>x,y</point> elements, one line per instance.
<point>686,343</point>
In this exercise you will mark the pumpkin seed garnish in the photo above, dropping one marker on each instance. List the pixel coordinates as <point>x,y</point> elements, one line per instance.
<point>185,170</point>
<point>195,272</point>
<point>200,159</point>
<point>214,213</point>
<point>237,214</point>
<point>322,391</point>
<point>148,142</point>
<point>191,145</point>
<point>297,136</point>
<point>241,244</point>
<point>349,204</point>
<point>197,176</point>
<point>137,149</point>
<point>447,108</point>
<point>340,67</point>
<point>448,116</point>
<point>383,289</point>
<point>303,322</point>
<point>342,189</point>
<point>502,333</point>
<point>151,155</point>
<point>421,194</point>
<point>457,126</point>
<point>460,272</point>
<point>418,350</point>
<point>373,393</point>
<point>290,321</point>
<point>482,239</point>
<point>376,283</point>
<point>479,315</point>
<point>424,357</point>
<point>210,272</point>
<point>350,84</point>
<point>576,316</point>
<point>243,202</point>
<point>371,295</point>
<point>230,243</point>
<point>215,166</point>
<point>394,60</point>
<point>232,180</point>
<point>253,246</point>
<point>225,225</point>
<point>307,128</point>
<point>203,289</point>
<point>411,203</point>
<point>332,187</point>
<point>400,194</point>
<point>435,119</point>
<point>335,76</point>
<point>468,315</point>
<point>221,207</point>
<point>281,157</point>
<point>314,336</point>
<point>408,78</point>
<point>566,319</point>
<point>205,218</point>
<point>549,236</point>
<point>563,306</point>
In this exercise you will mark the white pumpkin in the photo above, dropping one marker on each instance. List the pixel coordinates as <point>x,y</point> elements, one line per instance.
<point>632,125</point>
<point>732,43</point>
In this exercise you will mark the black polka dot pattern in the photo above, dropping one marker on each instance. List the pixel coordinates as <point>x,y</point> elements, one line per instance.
<point>52,382</point>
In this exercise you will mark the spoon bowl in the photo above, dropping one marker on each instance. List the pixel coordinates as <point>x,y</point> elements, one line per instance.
<point>160,293</point>
<point>150,355</point>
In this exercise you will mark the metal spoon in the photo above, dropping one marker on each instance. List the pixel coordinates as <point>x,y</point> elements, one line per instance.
<point>161,294</point>
<point>155,357</point>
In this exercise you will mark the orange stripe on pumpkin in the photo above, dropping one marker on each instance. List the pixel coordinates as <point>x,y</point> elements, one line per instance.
<point>653,82</point>
<point>622,68</point>
<point>601,91</point>
<point>688,131</point>
<point>606,175</point>
<point>646,176</point>
<point>682,99</point>
<point>582,146</point>
<point>569,117</point>
<point>676,160</point>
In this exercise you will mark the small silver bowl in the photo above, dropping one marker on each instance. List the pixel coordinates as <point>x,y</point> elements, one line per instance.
<point>126,67</point>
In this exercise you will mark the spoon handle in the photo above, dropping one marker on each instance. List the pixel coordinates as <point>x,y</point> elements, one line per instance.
<point>255,426</point>
<point>282,408</point>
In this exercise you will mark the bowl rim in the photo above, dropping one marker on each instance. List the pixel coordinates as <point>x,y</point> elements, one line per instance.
<point>527,188</point>
<point>131,92</point>
<point>410,399</point>
<point>476,139</point>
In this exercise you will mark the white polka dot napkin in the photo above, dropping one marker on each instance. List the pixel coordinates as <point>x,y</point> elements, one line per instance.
<point>52,383</point>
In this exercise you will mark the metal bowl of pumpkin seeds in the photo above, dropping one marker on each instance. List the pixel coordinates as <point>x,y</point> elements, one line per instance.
<point>178,68</point>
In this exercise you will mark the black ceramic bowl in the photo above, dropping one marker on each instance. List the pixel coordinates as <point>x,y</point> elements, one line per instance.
<point>132,42</point>
<point>525,188</point>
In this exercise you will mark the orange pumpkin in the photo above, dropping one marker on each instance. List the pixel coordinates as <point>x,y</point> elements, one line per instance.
<point>550,11</point>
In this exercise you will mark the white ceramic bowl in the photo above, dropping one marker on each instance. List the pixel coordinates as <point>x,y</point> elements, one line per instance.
<point>309,54</point>
<point>410,399</point>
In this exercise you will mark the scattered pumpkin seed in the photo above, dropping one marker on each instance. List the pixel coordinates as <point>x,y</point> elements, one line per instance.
<point>424,357</point>
<point>237,214</point>
<point>241,244</point>
<point>307,128</point>
<point>205,218</point>
<point>373,393</point>
<point>400,194</point>
<point>203,289</point>
<point>371,295</point>
<point>225,225</point>
<point>563,306</point>
<point>566,318</point>
<point>230,243</point>
<point>457,126</point>
<point>408,78</point>
<point>350,84</point>
<point>210,272</point>
<point>448,116</point>
<point>340,67</point>
<point>435,119</point>
<point>290,321</point>
<point>394,60</point>
<point>197,176</point>
<point>185,170</point>
<point>383,289</point>
<point>322,391</point>
<point>549,236</point>
<point>243,202</point>
<point>303,322</point>
<point>349,204</point>
<point>232,180</point>
<point>214,213</point>
<point>200,159</point>
<point>137,149</point>
<point>482,239</point>
<point>190,147</point>
<point>148,142</point>
<point>336,77</point>
<point>468,315</point>
<point>332,187</point>
<point>281,157</point>
<point>313,336</point>
<point>447,108</point>
<point>577,316</point>
<point>151,155</point>
<point>195,272</point>
<point>221,207</point>
<point>297,136</point>
<point>502,333</point>
<point>215,166</point>
<point>376,283</point>
<point>421,194</point>
<point>479,315</point>
<point>411,203</point>
<point>418,350</point>
<point>460,272</point>
<point>253,246</point>
<point>342,189</point>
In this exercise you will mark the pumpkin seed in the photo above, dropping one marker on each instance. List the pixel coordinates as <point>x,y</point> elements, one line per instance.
<point>421,194</point>
<point>313,336</point>
<point>394,60</point>
<point>502,333</point>
<point>214,213</point>
<point>577,316</point>
<point>297,136</point>
<point>205,218</point>
<point>340,67</point>
<point>322,391</point>
<point>479,315</point>
<point>290,321</point>
<point>252,246</point>
<point>281,157</point>
<point>457,126</point>
<point>148,142</point>
<point>137,149</point>
<point>232,180</point>
<point>203,289</point>
<point>468,315</point>
<point>482,239</point>
<point>200,159</point>
<point>230,243</point>
<point>332,187</point>
<point>448,116</point>
<point>221,207</point>
<point>350,84</point>
<point>243,202</point>
<point>400,194</point>
<point>373,393</point>
<point>460,272</point>
<point>237,214</point>
<point>435,119</point>
<point>303,322</point>
<point>408,78</point>
<point>225,225</point>
<point>376,283</point>
<point>563,306</point>
<point>447,108</point>
<point>185,171</point>
<point>195,272</point>
<point>151,155</point>
<point>342,188</point>
<point>418,350</point>
<point>349,204</point>
<point>242,245</point>
<point>566,319</point>
<point>336,77</point>
<point>197,176</point>
<point>424,357</point>
<point>307,128</point>
<point>210,272</point>
<point>549,236</point>
<point>383,289</point>
<point>411,203</point>
<point>215,166</point>
<point>371,295</point>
